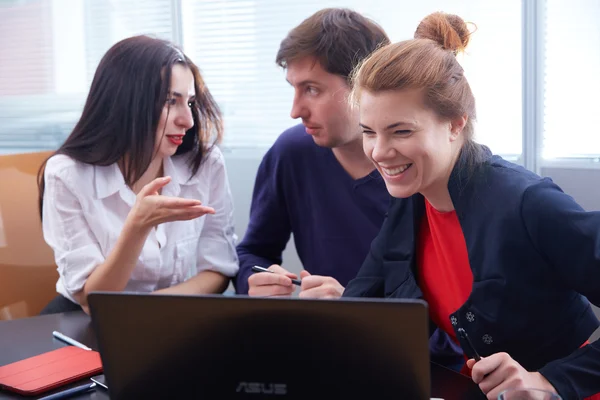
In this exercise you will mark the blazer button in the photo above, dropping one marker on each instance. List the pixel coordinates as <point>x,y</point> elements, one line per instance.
<point>487,339</point>
<point>470,316</point>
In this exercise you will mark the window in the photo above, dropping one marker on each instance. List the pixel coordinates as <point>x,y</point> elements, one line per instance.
<point>48,64</point>
<point>572,80</point>
<point>45,71</point>
<point>235,43</point>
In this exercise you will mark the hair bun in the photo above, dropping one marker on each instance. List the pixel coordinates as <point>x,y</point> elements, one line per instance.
<point>448,30</point>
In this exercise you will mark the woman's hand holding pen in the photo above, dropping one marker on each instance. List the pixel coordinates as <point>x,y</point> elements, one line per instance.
<point>499,372</point>
<point>319,287</point>
<point>151,208</point>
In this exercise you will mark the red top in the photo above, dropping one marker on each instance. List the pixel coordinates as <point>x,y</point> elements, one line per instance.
<point>444,272</point>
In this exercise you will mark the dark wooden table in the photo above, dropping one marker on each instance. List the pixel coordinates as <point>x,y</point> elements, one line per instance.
<point>28,337</point>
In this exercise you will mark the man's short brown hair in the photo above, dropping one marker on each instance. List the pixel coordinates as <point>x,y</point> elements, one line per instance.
<point>338,38</point>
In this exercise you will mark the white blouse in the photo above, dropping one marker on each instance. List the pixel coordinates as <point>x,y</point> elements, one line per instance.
<point>85,207</point>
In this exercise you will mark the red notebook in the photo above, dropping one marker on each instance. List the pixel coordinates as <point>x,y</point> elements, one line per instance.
<point>50,370</point>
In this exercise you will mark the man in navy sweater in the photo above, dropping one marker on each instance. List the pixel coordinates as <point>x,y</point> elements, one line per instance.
<point>316,181</point>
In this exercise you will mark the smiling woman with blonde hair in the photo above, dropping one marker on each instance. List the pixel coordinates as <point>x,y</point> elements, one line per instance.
<point>495,250</point>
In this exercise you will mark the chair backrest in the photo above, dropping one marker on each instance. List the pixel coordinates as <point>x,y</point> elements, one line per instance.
<point>28,272</point>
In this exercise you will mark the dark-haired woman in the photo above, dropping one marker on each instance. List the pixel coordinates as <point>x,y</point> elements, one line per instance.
<point>137,198</point>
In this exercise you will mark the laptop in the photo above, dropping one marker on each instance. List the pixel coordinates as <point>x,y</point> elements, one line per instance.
<point>238,347</point>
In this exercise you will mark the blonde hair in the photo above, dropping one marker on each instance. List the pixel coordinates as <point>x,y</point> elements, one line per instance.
<point>426,62</point>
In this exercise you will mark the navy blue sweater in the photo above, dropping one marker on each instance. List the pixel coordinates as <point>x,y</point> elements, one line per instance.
<point>302,189</point>
<point>535,257</point>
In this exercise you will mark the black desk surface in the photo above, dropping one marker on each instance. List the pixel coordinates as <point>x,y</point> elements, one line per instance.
<point>28,337</point>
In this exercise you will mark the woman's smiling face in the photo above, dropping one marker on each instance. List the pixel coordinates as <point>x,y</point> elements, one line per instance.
<point>410,145</point>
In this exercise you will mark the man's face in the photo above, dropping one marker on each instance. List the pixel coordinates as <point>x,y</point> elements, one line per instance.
<point>321,100</point>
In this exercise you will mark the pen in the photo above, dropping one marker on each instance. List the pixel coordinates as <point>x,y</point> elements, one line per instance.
<point>256,268</point>
<point>69,392</point>
<point>70,341</point>
<point>100,380</point>
<point>470,348</point>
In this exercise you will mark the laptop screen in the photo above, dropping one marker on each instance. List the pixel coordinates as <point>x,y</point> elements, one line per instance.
<point>163,346</point>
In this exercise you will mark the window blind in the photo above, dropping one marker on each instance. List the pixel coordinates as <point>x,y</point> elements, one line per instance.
<point>50,49</point>
<point>49,52</point>
<point>234,42</point>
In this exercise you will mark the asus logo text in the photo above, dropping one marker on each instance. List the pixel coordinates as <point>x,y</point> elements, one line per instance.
<point>262,388</point>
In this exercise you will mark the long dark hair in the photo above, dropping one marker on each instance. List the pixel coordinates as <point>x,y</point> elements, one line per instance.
<point>122,111</point>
